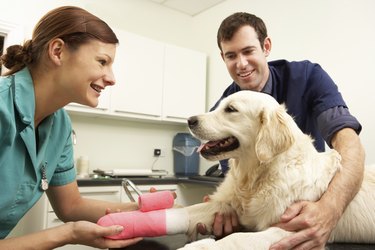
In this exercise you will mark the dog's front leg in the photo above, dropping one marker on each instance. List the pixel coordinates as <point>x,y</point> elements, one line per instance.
<point>204,213</point>
<point>241,241</point>
<point>252,240</point>
<point>200,213</point>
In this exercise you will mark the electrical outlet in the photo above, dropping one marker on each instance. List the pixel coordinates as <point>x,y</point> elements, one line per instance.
<point>157,152</point>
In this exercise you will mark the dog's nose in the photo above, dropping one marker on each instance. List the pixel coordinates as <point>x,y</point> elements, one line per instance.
<point>192,121</point>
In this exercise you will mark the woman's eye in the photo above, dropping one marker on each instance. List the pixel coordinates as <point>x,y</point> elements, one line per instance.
<point>102,62</point>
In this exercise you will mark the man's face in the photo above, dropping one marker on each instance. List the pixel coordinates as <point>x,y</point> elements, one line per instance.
<point>246,59</point>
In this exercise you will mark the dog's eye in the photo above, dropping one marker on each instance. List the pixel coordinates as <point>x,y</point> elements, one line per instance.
<point>230,109</point>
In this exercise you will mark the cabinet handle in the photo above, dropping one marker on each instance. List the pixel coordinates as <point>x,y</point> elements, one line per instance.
<point>99,192</point>
<point>135,113</point>
<point>175,117</point>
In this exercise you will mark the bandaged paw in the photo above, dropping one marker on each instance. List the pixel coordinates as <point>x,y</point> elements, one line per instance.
<point>155,201</point>
<point>147,224</point>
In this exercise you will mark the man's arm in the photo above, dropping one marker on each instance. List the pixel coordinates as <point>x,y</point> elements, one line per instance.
<point>347,182</point>
<point>315,221</point>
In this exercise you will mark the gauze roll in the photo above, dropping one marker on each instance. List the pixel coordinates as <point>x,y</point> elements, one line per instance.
<point>155,201</point>
<point>147,224</point>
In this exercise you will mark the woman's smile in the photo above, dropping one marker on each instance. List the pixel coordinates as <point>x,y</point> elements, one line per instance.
<point>97,88</point>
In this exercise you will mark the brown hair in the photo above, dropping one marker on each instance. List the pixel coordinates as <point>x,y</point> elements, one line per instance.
<point>232,23</point>
<point>74,25</point>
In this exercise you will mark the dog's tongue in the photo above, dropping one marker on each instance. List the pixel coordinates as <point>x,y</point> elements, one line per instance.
<point>200,147</point>
<point>207,145</point>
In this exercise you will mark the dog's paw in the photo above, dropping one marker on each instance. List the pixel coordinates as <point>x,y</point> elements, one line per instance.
<point>199,213</point>
<point>204,244</point>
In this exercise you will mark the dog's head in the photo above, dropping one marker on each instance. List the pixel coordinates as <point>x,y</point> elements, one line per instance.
<point>245,124</point>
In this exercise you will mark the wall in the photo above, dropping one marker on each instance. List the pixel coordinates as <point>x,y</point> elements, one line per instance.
<point>338,34</point>
<point>124,144</point>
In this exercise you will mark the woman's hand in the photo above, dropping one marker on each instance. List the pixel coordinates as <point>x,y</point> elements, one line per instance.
<point>91,234</point>
<point>80,232</point>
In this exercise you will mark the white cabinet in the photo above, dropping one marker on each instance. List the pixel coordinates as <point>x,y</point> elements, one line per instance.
<point>154,81</point>
<point>193,193</point>
<point>138,70</point>
<point>184,89</point>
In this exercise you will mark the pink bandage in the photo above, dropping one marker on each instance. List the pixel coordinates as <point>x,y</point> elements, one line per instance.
<point>136,223</point>
<point>155,201</point>
<point>147,224</point>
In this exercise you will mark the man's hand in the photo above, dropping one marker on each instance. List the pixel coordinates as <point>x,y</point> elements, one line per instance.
<point>313,223</point>
<point>224,224</point>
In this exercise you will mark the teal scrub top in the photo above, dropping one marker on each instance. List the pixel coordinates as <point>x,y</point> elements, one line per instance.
<point>21,156</point>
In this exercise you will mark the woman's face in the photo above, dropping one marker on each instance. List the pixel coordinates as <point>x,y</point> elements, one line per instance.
<point>87,71</point>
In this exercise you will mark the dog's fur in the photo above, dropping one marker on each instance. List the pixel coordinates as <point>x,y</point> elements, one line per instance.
<point>272,165</point>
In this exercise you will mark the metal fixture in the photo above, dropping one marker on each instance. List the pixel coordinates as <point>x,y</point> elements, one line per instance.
<point>126,183</point>
<point>74,137</point>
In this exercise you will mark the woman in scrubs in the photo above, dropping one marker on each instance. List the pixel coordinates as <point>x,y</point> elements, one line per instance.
<point>68,59</point>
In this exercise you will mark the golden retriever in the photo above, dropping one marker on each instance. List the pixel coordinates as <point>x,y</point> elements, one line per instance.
<point>272,165</point>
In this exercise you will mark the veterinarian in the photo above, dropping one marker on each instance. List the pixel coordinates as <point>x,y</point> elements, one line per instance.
<point>313,99</point>
<point>68,59</point>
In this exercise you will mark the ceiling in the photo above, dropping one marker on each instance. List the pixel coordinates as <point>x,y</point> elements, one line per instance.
<point>189,7</point>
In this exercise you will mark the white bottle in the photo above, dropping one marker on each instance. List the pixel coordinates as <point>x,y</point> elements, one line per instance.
<point>83,166</point>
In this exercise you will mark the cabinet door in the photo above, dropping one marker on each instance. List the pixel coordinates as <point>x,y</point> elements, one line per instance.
<point>184,92</point>
<point>106,193</point>
<point>138,70</point>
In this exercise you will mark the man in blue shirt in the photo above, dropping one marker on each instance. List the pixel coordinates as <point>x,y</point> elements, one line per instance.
<point>313,99</point>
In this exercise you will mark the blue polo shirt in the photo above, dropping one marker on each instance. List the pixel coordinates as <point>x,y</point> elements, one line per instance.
<point>311,98</point>
<point>21,155</point>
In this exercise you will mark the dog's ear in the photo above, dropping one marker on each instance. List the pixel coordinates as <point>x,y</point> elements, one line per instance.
<point>274,135</point>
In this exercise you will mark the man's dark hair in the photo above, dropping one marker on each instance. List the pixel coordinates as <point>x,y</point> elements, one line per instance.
<point>232,23</point>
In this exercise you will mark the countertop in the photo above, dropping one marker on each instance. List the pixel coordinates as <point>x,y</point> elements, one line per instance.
<point>164,180</point>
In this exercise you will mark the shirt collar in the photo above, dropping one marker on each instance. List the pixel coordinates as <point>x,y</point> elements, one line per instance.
<point>268,86</point>
<point>24,96</point>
